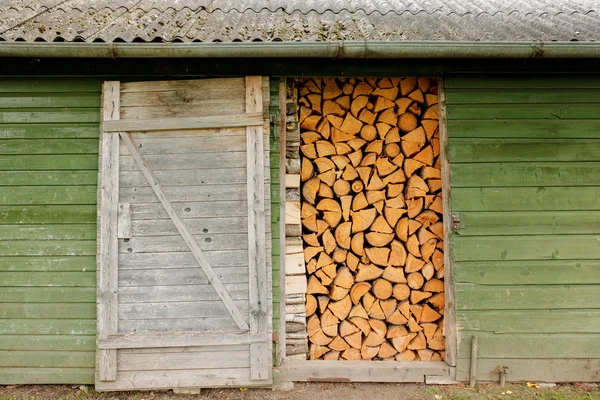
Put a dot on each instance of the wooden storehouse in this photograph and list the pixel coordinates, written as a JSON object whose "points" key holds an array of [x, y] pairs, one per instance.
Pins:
{"points": [[206, 193]]}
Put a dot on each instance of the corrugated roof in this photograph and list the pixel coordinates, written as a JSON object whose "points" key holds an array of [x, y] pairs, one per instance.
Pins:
{"points": [[298, 20]]}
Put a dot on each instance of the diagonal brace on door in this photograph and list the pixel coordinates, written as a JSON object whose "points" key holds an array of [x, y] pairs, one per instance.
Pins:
{"points": [[185, 233]]}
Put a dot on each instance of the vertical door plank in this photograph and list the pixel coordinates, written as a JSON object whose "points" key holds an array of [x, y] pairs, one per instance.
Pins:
{"points": [[124, 221], [107, 237], [257, 268], [189, 240]]}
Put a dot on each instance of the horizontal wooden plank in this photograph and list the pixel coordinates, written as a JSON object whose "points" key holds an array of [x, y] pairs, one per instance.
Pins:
{"points": [[539, 247], [530, 321], [233, 159], [166, 124], [536, 272], [44, 100], [526, 345], [524, 128], [48, 342], [168, 310], [525, 174], [48, 232], [184, 177], [47, 310], [188, 97], [165, 227], [192, 378], [208, 241], [49, 85], [63, 279], [516, 111], [55, 264], [41, 376], [235, 141], [462, 150], [236, 85], [74, 214], [207, 193], [49, 326], [46, 294], [533, 370], [55, 131], [49, 162], [47, 247], [526, 297], [524, 81], [183, 361], [47, 359], [180, 277], [48, 178], [160, 341], [229, 258], [190, 210], [48, 195], [508, 95], [526, 199], [361, 371], [49, 115], [224, 322], [201, 292], [528, 223]]}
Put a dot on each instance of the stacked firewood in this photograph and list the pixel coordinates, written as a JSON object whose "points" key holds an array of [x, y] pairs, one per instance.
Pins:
{"points": [[372, 218]]}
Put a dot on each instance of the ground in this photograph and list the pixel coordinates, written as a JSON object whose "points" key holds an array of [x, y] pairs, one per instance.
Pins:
{"points": [[319, 391]]}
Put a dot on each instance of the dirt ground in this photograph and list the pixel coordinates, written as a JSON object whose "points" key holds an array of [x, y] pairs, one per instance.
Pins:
{"points": [[318, 391]]}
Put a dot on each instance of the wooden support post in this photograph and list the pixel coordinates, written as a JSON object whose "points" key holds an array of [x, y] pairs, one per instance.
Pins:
{"points": [[474, 347]]}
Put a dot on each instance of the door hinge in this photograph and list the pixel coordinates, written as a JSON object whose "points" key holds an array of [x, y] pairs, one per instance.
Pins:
{"points": [[456, 222]]}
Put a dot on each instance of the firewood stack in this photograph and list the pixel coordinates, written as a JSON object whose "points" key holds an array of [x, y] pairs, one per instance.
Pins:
{"points": [[372, 218]]}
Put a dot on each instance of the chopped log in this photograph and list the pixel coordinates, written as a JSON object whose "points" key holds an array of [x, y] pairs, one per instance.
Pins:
{"points": [[401, 343], [392, 150], [394, 275], [341, 308], [429, 314], [358, 290], [317, 351], [341, 187], [396, 318], [412, 245], [344, 278], [310, 252], [351, 125], [331, 355], [438, 342], [434, 285], [437, 301], [306, 170], [368, 353], [324, 164], [325, 191], [382, 289], [368, 272], [407, 122], [396, 330], [357, 243], [379, 239], [376, 311], [378, 255], [323, 302], [315, 287], [355, 158], [346, 203], [338, 344], [357, 187], [347, 328], [338, 293], [352, 261], [329, 242], [319, 338], [401, 291], [374, 338], [417, 296], [386, 350], [311, 305], [389, 93], [359, 202], [368, 133], [392, 215], [342, 235], [407, 355], [428, 271], [354, 339], [407, 85], [339, 255], [415, 280], [310, 189], [384, 166], [415, 206], [363, 219], [311, 239]]}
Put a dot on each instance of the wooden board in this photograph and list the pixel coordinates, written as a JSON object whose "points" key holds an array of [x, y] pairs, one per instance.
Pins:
{"points": [[195, 254]]}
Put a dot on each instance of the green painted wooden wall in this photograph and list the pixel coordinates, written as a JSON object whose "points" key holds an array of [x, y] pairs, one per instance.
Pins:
{"points": [[525, 176], [48, 179]]}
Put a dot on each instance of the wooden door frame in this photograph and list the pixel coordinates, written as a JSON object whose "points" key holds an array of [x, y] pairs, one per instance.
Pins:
{"points": [[398, 371]]}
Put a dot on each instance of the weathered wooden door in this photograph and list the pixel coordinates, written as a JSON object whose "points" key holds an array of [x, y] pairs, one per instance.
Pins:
{"points": [[184, 245]]}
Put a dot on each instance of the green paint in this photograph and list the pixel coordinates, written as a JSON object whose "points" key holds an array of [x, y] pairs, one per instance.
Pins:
{"points": [[48, 248], [534, 272], [46, 294], [75, 214], [525, 199], [49, 232], [519, 111], [535, 247], [40, 376], [526, 297], [525, 174], [47, 178], [548, 346], [525, 161], [531, 321], [48, 146], [528, 223], [28, 100], [48, 343], [43, 310], [467, 150], [49, 326], [43, 131], [49, 115], [512, 96], [524, 128], [49, 162], [48, 195], [45, 359], [63, 279]]}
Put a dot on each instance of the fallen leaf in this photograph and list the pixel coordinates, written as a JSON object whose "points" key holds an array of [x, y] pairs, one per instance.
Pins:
{"points": [[243, 389]]}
